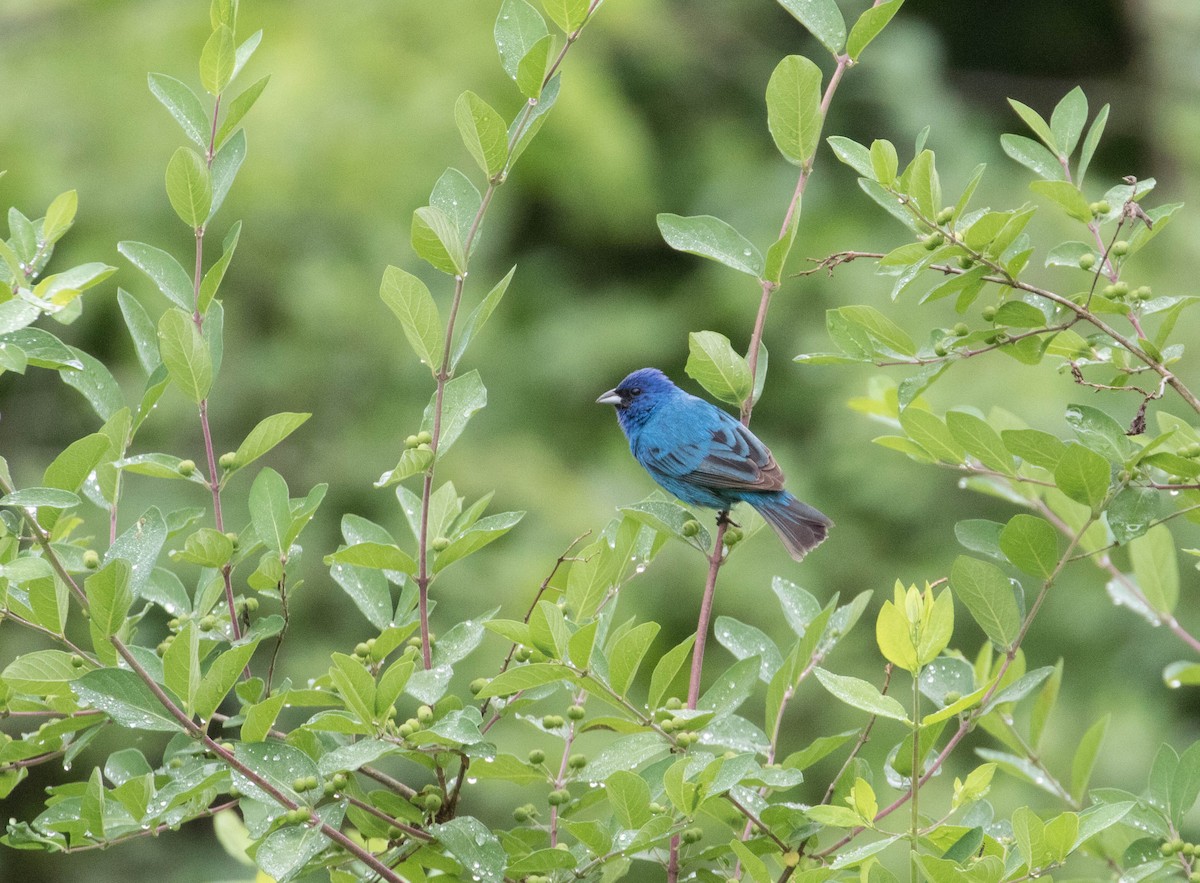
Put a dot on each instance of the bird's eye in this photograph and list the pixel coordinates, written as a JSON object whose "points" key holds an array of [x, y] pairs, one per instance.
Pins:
{"points": [[636, 391]]}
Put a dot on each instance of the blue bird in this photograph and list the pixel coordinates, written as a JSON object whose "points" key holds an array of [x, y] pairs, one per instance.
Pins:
{"points": [[705, 457]]}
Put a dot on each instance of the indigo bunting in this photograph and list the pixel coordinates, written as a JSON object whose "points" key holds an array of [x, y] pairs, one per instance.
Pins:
{"points": [[705, 457]]}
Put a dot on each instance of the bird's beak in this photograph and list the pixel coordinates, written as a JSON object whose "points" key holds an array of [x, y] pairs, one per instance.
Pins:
{"points": [[612, 397]]}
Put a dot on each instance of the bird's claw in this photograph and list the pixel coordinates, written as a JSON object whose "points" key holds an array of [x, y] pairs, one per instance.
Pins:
{"points": [[723, 519]]}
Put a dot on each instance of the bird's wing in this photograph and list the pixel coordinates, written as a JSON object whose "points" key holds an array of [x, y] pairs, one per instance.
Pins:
{"points": [[710, 449]]}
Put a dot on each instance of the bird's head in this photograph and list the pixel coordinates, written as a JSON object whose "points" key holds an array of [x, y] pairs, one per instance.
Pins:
{"points": [[639, 393]]}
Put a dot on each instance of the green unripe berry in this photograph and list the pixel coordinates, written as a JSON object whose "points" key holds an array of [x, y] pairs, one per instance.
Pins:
{"points": [[424, 437], [91, 559], [228, 460], [966, 262], [413, 724], [1120, 289], [1109, 291], [433, 802], [404, 731], [576, 712], [298, 816], [424, 446], [186, 467], [77, 661], [989, 313], [939, 348], [232, 537], [176, 763], [251, 605], [577, 761], [361, 649], [477, 685], [161, 649], [520, 814], [1087, 261], [1100, 208], [300, 784], [537, 756], [691, 835], [668, 726], [1142, 292], [439, 544], [411, 441], [674, 703], [1194, 877], [558, 797], [522, 654], [690, 528], [1188, 849], [329, 790], [961, 329], [945, 215], [656, 808], [425, 714], [1167, 847], [552, 721], [340, 780], [933, 241], [1120, 248], [173, 624], [733, 536], [208, 623]]}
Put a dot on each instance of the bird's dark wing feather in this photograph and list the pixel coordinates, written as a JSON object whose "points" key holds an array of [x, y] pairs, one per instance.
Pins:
{"points": [[715, 452]]}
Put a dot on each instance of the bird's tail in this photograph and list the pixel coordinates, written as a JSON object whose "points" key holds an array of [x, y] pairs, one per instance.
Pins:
{"points": [[801, 527]]}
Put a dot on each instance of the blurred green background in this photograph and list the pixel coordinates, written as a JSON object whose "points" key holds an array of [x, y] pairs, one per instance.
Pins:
{"points": [[661, 110]]}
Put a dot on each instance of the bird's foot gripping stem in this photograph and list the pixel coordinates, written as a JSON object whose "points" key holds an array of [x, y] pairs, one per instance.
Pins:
{"points": [[723, 519]]}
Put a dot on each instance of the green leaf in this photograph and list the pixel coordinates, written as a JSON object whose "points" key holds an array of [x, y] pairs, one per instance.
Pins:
{"points": [[1034, 446], [70, 469], [189, 187], [483, 132], [518, 27], [269, 432], [109, 596], [666, 669], [207, 547], [1018, 314], [186, 354], [1085, 756], [1156, 567], [630, 798], [852, 154], [409, 298], [455, 195], [238, 108], [461, 398], [879, 327], [374, 555], [164, 271], [42, 349], [794, 108], [928, 430], [217, 60], [884, 162], [1033, 156], [920, 181], [988, 596], [269, 510], [715, 365], [140, 545], [860, 694], [225, 166], [1066, 122], [1100, 432], [980, 441], [1083, 475], [474, 846], [1035, 122], [435, 238], [1090, 143], [1068, 197], [569, 15], [60, 216], [478, 318], [869, 25], [220, 678], [711, 238], [531, 72], [183, 104], [525, 677], [1031, 543], [474, 538], [33, 497], [181, 665], [744, 641], [141, 330], [95, 383], [823, 20], [41, 673], [627, 654], [123, 696]]}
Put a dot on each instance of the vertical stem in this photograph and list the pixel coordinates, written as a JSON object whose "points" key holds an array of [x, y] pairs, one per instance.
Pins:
{"points": [[706, 607], [915, 778]]}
